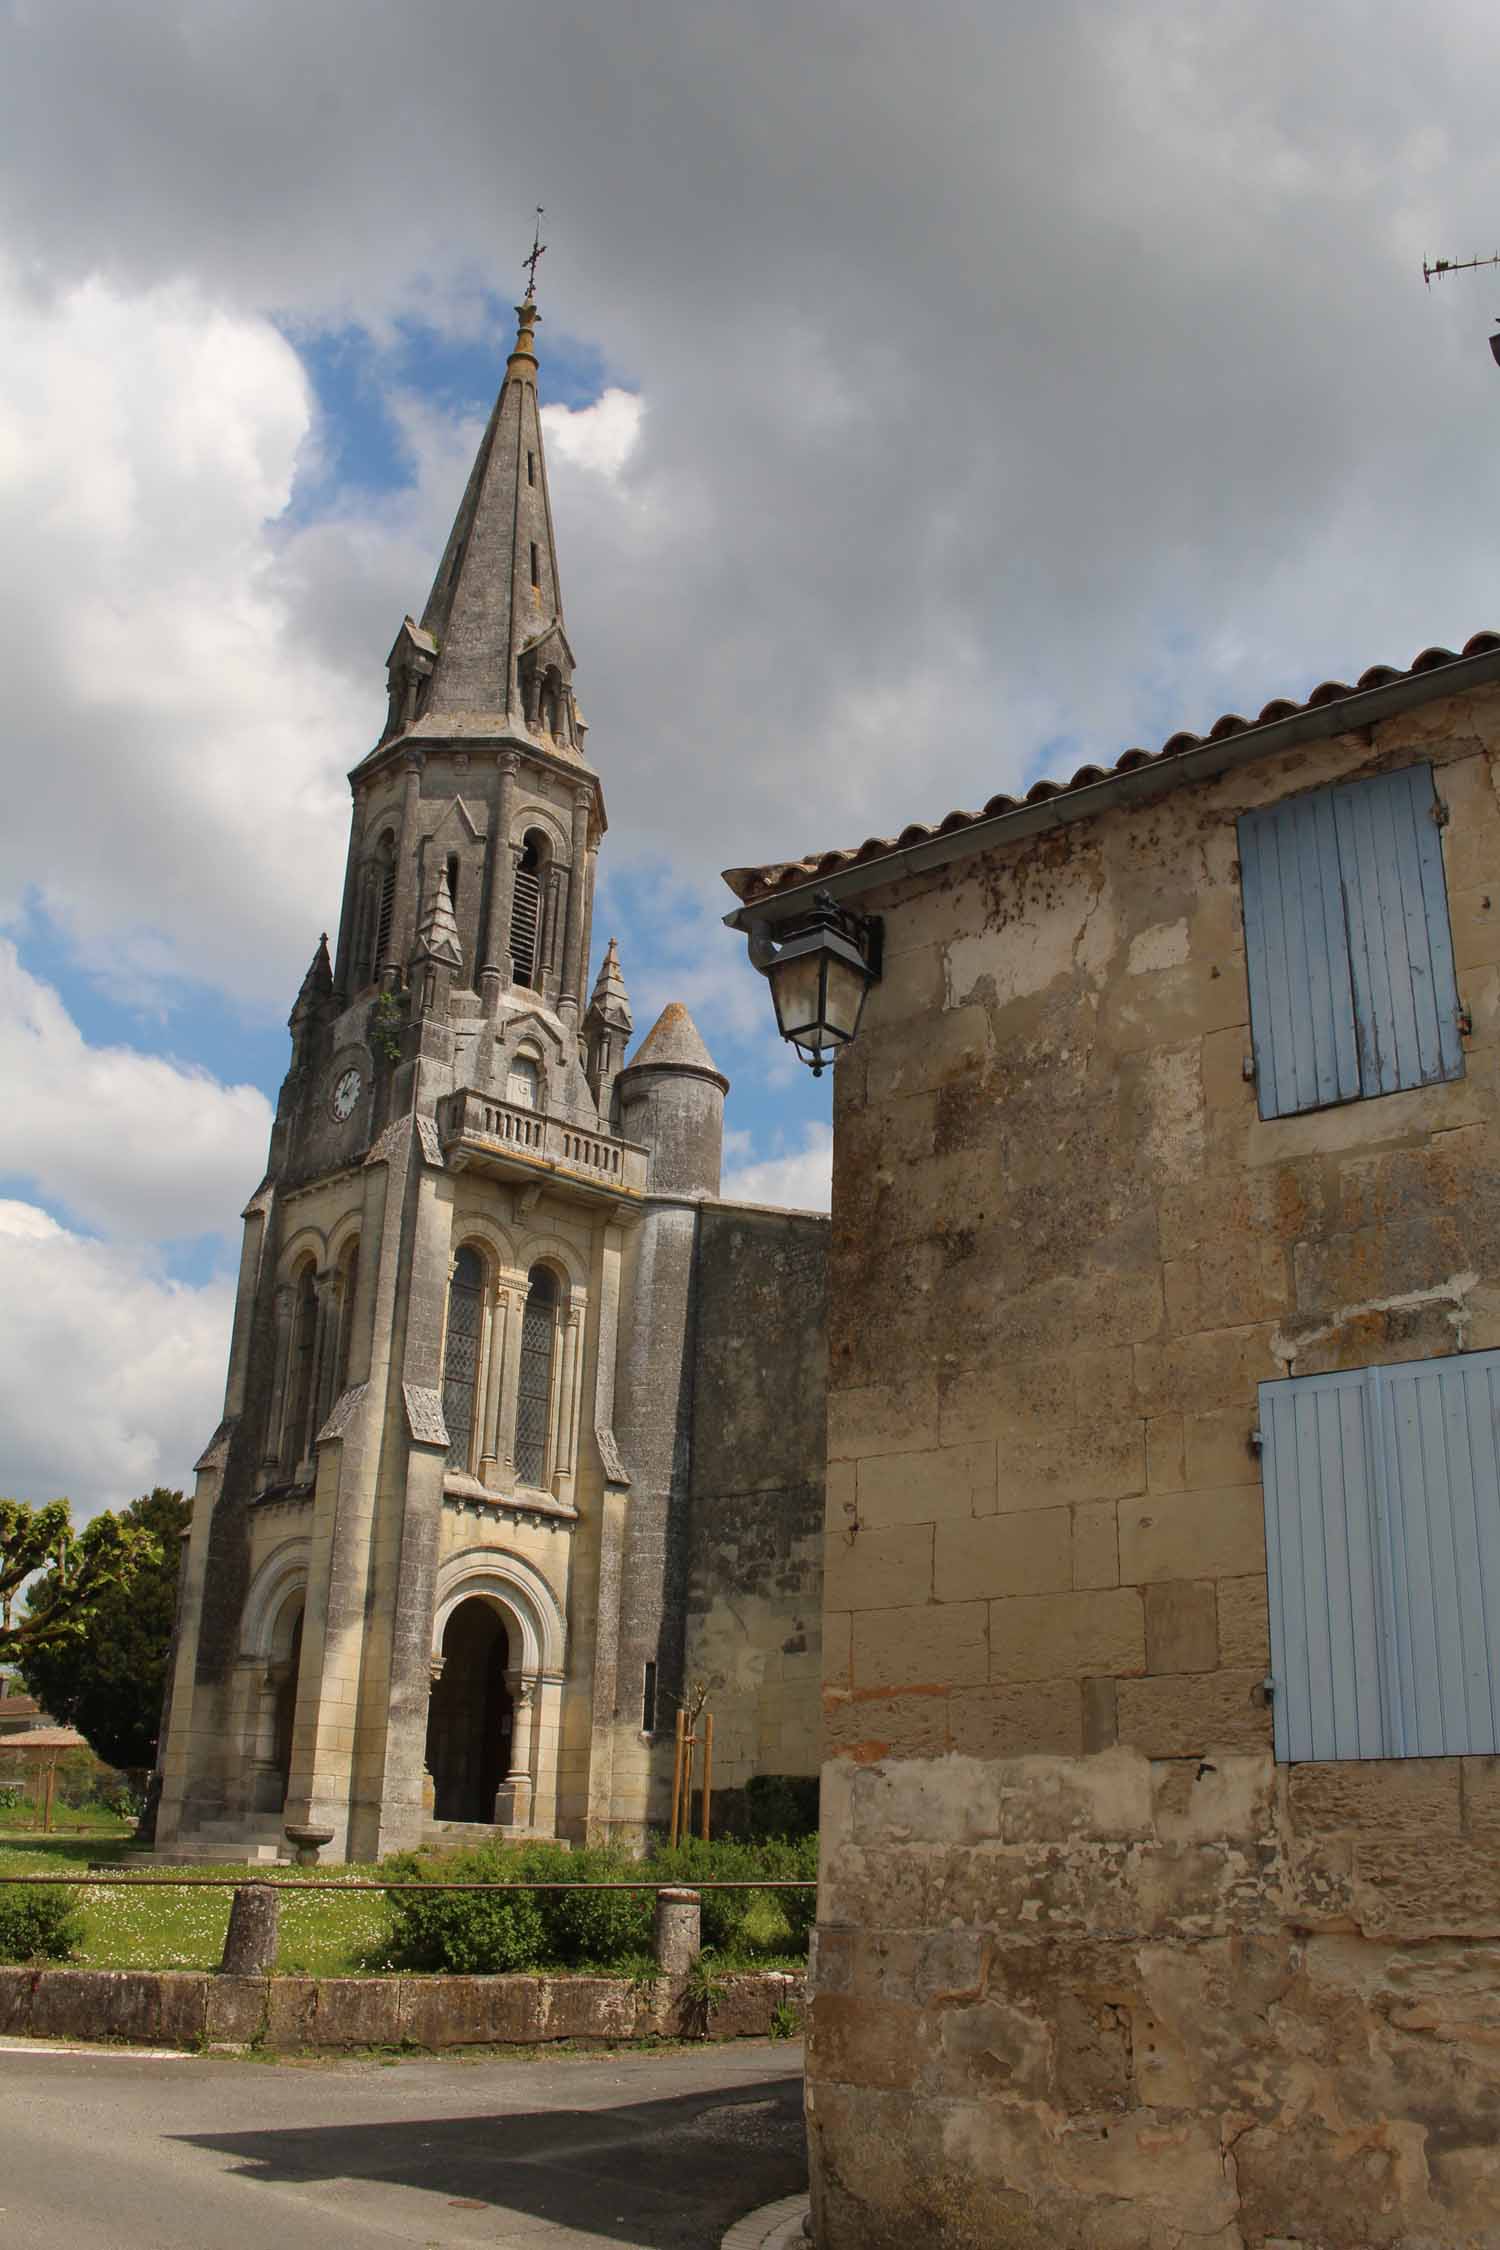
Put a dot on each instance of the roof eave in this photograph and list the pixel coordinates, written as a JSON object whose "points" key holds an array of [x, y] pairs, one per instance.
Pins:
{"points": [[1367, 707]]}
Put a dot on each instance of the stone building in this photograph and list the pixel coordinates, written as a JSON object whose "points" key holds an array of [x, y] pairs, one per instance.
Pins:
{"points": [[498, 1470], [1161, 1817]]}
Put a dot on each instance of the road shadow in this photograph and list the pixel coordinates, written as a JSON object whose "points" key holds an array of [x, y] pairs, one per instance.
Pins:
{"points": [[667, 2175]]}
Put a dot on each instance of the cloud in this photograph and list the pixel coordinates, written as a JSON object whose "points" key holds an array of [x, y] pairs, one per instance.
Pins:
{"points": [[1011, 377], [801, 1180], [174, 751], [111, 1376], [600, 437], [132, 1144]]}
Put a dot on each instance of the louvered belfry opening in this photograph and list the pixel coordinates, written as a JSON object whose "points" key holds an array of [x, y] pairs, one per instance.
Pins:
{"points": [[387, 899], [461, 1355], [526, 914], [534, 1388]]}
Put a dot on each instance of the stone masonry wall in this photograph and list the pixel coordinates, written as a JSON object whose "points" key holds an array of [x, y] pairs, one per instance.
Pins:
{"points": [[1091, 1968], [755, 1530]]}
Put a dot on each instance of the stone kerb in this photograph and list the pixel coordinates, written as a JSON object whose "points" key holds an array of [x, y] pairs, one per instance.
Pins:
{"points": [[191, 2008]]}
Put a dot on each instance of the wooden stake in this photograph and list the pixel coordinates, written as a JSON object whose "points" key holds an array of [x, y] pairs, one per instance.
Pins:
{"points": [[677, 1771], [51, 1786], [708, 1767]]}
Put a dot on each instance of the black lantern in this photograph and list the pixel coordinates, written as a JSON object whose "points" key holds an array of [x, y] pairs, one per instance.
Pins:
{"points": [[819, 970]]}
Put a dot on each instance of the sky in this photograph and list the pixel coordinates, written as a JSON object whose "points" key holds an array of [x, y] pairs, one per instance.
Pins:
{"points": [[935, 398]]}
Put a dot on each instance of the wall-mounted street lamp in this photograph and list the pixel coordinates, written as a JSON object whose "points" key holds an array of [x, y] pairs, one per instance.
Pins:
{"points": [[819, 969]]}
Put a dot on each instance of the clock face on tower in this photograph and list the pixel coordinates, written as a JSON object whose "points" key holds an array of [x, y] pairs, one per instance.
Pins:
{"points": [[345, 1095]]}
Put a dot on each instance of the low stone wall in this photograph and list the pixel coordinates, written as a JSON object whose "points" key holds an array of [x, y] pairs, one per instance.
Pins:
{"points": [[190, 2008]]}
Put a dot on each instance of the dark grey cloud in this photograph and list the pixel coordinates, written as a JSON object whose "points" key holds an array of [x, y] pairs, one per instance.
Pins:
{"points": [[1014, 376]]}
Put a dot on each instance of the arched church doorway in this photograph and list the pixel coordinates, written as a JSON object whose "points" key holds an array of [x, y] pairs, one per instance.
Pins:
{"points": [[285, 1673], [470, 1717]]}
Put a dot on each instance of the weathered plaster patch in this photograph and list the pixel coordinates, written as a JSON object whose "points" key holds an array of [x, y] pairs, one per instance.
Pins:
{"points": [[1456, 1292], [1163, 946]]}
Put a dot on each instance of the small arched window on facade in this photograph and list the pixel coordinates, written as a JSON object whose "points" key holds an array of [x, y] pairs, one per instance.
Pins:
{"points": [[461, 1355], [523, 1081], [526, 910], [539, 1325], [296, 1440]]}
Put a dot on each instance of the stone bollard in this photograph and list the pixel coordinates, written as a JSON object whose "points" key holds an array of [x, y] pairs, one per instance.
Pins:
{"points": [[678, 1931], [254, 1924]]}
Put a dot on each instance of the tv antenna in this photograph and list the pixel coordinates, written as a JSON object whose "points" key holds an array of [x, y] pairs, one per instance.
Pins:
{"points": [[1440, 266]]}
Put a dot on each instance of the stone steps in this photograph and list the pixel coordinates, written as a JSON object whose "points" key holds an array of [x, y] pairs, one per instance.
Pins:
{"points": [[451, 1833]]}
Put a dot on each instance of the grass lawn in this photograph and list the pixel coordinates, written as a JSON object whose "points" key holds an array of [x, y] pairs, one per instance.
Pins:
{"points": [[167, 1928]]}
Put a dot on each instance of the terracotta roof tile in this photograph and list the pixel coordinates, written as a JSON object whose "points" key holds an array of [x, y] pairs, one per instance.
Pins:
{"points": [[752, 883]]}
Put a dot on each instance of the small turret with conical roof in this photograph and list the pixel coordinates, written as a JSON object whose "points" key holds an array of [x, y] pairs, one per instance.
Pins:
{"points": [[672, 1098]]}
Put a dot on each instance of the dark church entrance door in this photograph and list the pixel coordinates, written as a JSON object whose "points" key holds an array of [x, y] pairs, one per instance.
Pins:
{"points": [[469, 1718]]}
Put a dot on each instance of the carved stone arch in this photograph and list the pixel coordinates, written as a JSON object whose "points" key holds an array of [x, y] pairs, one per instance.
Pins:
{"points": [[532, 1026], [344, 1231], [266, 1621], [307, 1242], [495, 1244], [533, 813], [555, 1250], [495, 1575]]}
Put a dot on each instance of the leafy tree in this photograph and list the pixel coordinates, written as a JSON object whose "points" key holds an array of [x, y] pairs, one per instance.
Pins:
{"points": [[92, 1643]]}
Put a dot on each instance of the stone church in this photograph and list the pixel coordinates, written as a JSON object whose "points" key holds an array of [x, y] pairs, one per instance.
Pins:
{"points": [[524, 1425]]}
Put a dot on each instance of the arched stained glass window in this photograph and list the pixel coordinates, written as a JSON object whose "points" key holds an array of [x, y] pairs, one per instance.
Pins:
{"points": [[461, 1355], [348, 1285], [534, 1388], [298, 1437]]}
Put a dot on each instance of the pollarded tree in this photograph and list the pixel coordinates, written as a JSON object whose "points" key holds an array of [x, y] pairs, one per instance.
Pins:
{"points": [[92, 1641]]}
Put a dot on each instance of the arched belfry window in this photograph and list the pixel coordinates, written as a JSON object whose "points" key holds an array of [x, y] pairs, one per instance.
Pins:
{"points": [[526, 910], [461, 1355], [377, 906], [539, 1325], [385, 894]]}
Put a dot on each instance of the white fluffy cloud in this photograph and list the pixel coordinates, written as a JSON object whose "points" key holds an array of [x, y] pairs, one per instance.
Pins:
{"points": [[174, 751], [131, 1144], [800, 1180], [111, 1375], [600, 437]]}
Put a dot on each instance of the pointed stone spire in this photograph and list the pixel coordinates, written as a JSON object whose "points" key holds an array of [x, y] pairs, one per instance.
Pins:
{"points": [[611, 1002], [494, 618], [607, 1028], [437, 933], [316, 989]]}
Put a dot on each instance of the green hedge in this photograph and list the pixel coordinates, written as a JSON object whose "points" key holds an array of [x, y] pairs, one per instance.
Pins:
{"points": [[488, 1932], [37, 1925]]}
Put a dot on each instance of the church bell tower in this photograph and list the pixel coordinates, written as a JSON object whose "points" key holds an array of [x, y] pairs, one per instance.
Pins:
{"points": [[400, 1615]]}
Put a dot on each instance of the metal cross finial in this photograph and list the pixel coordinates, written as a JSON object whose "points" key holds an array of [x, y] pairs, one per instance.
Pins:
{"points": [[538, 250]]}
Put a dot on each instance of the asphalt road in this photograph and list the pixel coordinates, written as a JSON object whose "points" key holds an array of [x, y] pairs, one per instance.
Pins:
{"points": [[120, 2151]]}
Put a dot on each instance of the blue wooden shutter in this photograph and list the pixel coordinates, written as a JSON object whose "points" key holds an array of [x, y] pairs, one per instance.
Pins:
{"points": [[1322, 1568], [1297, 948], [1442, 1495], [1350, 958], [1400, 946], [1382, 1492]]}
